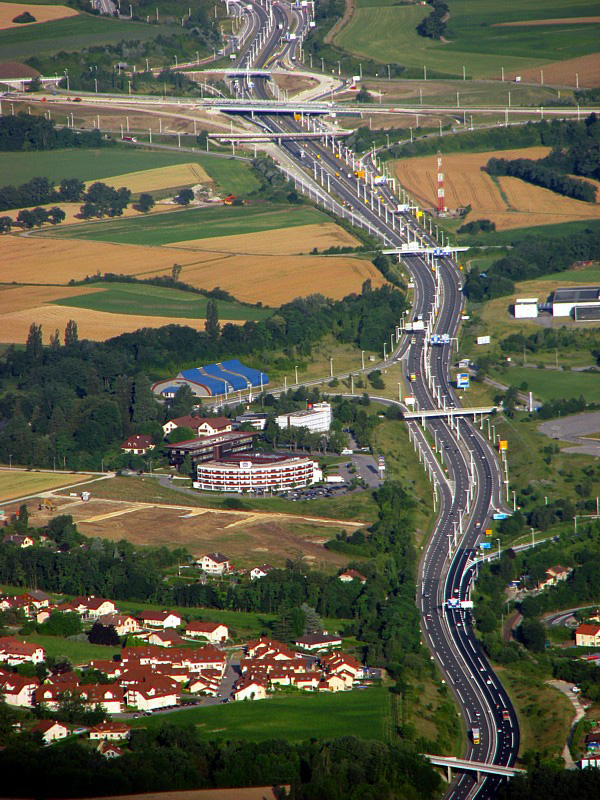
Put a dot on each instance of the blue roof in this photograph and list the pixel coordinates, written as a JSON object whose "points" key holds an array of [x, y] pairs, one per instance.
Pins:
{"points": [[235, 380], [169, 389], [215, 385], [253, 375]]}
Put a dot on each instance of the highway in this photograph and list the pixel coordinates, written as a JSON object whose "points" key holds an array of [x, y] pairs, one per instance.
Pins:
{"points": [[466, 474]]}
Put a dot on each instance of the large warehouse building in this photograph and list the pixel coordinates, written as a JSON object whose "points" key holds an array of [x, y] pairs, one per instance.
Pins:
{"points": [[209, 448], [213, 379], [576, 301], [253, 472]]}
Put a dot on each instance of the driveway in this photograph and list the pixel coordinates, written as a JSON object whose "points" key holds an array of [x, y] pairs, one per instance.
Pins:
{"points": [[565, 688]]}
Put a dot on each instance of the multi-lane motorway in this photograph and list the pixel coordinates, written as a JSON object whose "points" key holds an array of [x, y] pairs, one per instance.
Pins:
{"points": [[466, 472]]}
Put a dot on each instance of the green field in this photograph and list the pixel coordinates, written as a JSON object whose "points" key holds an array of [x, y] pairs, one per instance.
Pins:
{"points": [[130, 298], [386, 33], [17, 483], [551, 384], [515, 235], [294, 717], [72, 33], [77, 652], [231, 175], [179, 226]]}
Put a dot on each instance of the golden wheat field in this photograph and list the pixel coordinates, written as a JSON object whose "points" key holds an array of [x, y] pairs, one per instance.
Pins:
{"points": [[274, 280], [564, 73], [523, 205], [98, 325], [160, 178], [300, 239], [8, 11]]}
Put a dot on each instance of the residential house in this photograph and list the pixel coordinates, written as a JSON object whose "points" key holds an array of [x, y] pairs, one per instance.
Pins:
{"points": [[51, 730], [16, 602], [202, 426], [260, 572], [109, 697], [351, 575], [166, 638], [214, 564], [112, 731], [340, 662], [249, 689], [44, 613], [160, 619], [138, 444], [122, 623], [93, 607], [587, 635], [37, 598], [17, 689], [314, 642], [111, 669], [213, 631], [554, 575], [14, 652], [332, 683], [150, 696], [19, 540], [109, 750]]}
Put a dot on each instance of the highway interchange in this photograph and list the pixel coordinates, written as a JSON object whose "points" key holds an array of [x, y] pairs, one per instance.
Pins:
{"points": [[471, 488]]}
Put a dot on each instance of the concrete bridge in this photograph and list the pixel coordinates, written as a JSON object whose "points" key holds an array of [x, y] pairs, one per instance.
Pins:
{"points": [[479, 767]]}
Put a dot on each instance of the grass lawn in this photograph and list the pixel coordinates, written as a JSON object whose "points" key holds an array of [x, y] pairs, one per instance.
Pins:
{"points": [[516, 235], [551, 384], [92, 164], [545, 714], [15, 483], [178, 226], [386, 33], [129, 298], [71, 34], [294, 717], [358, 505], [77, 652]]}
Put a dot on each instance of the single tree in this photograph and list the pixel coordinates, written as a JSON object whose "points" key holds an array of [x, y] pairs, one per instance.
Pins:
{"points": [[71, 335], [185, 197], [146, 202], [34, 348], [56, 215], [176, 271], [211, 326], [6, 224], [55, 340]]}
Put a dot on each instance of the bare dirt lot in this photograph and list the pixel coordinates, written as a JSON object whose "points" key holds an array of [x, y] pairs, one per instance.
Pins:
{"points": [[522, 205], [563, 73], [8, 11], [300, 239], [246, 537]]}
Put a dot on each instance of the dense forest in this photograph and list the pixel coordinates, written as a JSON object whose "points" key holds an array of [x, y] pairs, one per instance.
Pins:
{"points": [[28, 132], [176, 757], [552, 783], [531, 259], [77, 399]]}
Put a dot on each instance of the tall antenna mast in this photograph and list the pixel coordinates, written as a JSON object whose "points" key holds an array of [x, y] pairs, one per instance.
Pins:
{"points": [[441, 204]]}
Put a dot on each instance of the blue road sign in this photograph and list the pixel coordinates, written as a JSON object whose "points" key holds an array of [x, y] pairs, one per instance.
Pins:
{"points": [[462, 380]]}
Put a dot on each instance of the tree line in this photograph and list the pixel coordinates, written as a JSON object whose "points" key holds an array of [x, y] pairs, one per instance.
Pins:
{"points": [[537, 173], [172, 757], [531, 259], [28, 132], [41, 191], [556, 133], [79, 399]]}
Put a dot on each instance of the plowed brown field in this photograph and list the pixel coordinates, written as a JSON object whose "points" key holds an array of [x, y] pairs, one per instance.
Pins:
{"points": [[8, 11], [300, 239], [564, 73], [465, 183]]}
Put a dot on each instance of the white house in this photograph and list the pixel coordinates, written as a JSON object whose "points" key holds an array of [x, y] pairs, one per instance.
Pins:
{"points": [[316, 417], [14, 652], [250, 689], [111, 731], [93, 607], [18, 690], [146, 697], [313, 642], [122, 623], [215, 632], [214, 564], [51, 730], [202, 426], [160, 619], [260, 572]]}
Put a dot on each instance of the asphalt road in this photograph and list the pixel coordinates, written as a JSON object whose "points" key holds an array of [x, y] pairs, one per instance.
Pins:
{"points": [[576, 428], [474, 486]]}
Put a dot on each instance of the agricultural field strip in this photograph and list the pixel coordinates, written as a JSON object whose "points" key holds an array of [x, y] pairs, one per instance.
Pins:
{"points": [[17, 483], [379, 31], [42, 13], [177, 226]]}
